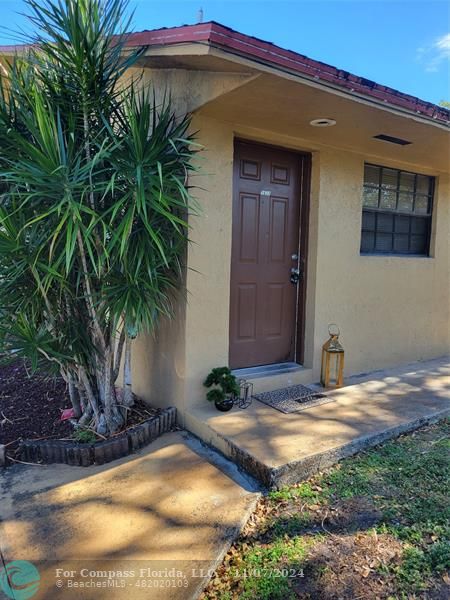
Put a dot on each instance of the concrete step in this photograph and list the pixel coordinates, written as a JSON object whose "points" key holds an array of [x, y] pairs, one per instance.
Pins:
{"points": [[279, 449]]}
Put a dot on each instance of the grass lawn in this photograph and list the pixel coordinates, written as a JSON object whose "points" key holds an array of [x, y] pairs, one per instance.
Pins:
{"points": [[376, 526]]}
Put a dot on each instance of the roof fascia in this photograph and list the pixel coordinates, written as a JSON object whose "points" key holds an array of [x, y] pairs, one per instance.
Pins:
{"points": [[325, 86]]}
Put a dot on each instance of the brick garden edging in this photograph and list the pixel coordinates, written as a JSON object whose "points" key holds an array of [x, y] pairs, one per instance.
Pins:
{"points": [[84, 455]]}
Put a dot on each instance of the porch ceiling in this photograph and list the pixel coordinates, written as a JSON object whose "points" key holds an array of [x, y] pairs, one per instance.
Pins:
{"points": [[284, 106]]}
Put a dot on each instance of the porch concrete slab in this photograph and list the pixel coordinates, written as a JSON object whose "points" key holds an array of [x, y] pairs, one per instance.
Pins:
{"points": [[172, 509], [280, 448]]}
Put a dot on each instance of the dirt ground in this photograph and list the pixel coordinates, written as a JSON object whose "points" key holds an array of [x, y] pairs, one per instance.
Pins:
{"points": [[31, 407], [375, 527]]}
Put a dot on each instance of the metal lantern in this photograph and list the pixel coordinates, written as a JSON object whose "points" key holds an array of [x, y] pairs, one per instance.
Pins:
{"points": [[332, 374]]}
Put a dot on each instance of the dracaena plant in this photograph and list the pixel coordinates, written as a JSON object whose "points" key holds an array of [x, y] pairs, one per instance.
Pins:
{"points": [[94, 202]]}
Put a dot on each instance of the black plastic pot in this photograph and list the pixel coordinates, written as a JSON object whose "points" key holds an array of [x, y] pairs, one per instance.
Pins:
{"points": [[224, 405]]}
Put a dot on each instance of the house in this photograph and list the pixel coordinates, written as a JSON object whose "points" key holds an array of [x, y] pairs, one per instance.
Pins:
{"points": [[325, 199]]}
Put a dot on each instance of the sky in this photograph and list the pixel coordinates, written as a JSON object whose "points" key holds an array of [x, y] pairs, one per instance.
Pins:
{"points": [[404, 44]]}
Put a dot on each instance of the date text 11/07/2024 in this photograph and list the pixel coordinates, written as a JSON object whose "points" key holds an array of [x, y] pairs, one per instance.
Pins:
{"points": [[256, 572]]}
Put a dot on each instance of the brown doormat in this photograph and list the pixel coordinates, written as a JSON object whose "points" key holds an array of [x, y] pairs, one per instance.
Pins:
{"points": [[293, 398]]}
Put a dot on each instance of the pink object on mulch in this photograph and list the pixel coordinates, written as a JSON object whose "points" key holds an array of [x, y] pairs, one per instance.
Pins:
{"points": [[68, 413]]}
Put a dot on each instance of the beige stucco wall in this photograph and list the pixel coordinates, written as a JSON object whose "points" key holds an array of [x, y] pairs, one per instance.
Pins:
{"points": [[391, 310], [158, 363]]}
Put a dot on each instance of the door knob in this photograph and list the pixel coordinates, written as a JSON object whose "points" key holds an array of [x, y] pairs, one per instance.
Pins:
{"points": [[295, 275]]}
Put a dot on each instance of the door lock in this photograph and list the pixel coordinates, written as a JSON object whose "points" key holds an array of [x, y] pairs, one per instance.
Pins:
{"points": [[295, 275]]}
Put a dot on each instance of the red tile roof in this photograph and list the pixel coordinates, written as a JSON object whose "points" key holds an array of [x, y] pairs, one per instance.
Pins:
{"points": [[253, 48], [261, 51], [12, 48]]}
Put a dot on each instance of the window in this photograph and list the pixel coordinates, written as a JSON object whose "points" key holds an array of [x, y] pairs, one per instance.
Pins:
{"points": [[397, 208]]}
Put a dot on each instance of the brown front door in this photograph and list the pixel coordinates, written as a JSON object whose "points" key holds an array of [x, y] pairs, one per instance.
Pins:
{"points": [[264, 310]]}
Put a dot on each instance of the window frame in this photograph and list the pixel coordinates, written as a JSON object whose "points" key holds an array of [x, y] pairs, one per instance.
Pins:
{"points": [[411, 215]]}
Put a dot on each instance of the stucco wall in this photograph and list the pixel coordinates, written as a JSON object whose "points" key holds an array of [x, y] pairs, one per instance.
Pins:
{"points": [[391, 310], [158, 363], [169, 368], [209, 259]]}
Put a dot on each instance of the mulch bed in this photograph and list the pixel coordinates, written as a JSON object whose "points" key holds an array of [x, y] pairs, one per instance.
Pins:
{"points": [[31, 406]]}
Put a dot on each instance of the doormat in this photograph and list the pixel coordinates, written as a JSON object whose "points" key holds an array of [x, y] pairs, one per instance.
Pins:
{"points": [[293, 398]]}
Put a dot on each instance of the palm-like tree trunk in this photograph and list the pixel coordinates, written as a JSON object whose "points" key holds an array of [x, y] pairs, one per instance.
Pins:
{"points": [[127, 375]]}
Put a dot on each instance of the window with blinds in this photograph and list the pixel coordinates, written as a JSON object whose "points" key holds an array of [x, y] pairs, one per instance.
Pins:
{"points": [[397, 209]]}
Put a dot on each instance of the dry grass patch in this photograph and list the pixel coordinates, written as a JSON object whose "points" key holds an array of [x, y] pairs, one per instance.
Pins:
{"points": [[377, 526]]}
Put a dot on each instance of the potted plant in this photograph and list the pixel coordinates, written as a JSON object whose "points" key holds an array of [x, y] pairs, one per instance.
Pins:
{"points": [[224, 388]]}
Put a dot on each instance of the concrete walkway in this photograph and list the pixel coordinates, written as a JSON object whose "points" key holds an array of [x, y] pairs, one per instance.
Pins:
{"points": [[154, 524], [282, 448], [168, 514]]}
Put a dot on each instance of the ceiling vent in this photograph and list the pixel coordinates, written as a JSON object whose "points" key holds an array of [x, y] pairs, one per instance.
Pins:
{"points": [[391, 139]]}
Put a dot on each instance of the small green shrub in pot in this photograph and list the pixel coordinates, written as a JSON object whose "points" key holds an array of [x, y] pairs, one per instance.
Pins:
{"points": [[224, 388]]}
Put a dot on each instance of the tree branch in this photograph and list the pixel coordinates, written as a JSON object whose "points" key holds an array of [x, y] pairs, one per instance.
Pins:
{"points": [[118, 356], [97, 329], [127, 374]]}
